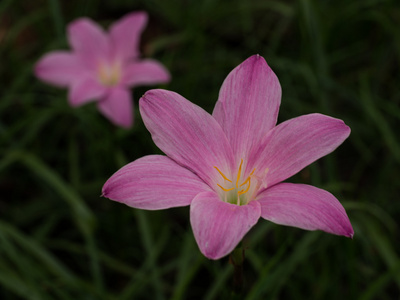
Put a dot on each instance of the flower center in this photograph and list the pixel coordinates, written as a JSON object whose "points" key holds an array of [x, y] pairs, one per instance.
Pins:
{"points": [[109, 74], [235, 193]]}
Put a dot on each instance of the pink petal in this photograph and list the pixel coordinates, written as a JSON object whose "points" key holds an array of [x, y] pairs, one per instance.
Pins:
{"points": [[117, 106], [59, 68], [145, 72], [186, 133], [125, 34], [153, 182], [296, 143], [305, 207], [219, 226], [89, 41], [248, 104], [85, 90]]}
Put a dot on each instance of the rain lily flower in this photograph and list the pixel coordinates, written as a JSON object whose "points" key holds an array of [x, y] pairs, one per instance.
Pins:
{"points": [[229, 166], [102, 66]]}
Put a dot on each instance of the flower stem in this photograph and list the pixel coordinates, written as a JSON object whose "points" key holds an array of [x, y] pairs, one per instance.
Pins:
{"points": [[236, 259]]}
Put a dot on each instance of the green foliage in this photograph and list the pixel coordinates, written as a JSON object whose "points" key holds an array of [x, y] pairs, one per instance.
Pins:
{"points": [[60, 240]]}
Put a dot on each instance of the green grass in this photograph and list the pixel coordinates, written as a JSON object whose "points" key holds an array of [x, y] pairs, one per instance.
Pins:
{"points": [[60, 240]]}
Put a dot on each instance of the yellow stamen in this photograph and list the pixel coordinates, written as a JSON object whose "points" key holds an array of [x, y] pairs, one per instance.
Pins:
{"points": [[238, 175], [245, 191], [224, 189], [222, 174], [247, 181], [248, 178]]}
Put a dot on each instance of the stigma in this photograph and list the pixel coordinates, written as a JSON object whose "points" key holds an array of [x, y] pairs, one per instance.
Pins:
{"points": [[233, 193]]}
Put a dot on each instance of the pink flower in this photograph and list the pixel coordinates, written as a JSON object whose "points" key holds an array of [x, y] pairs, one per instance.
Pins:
{"points": [[103, 66], [229, 166]]}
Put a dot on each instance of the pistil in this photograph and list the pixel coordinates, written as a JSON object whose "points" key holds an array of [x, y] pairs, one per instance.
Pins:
{"points": [[237, 185]]}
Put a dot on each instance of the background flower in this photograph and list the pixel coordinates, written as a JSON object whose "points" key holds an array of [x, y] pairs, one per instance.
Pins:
{"points": [[102, 66]]}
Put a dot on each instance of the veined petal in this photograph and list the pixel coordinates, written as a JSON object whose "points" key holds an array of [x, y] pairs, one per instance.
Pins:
{"points": [[296, 143], [219, 226], [187, 134], [145, 72], [305, 207], [117, 106], [125, 34], [153, 182], [85, 90], [248, 104], [59, 68], [89, 41]]}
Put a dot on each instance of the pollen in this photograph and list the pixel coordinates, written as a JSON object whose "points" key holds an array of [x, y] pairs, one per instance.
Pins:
{"points": [[238, 186], [222, 174], [224, 189]]}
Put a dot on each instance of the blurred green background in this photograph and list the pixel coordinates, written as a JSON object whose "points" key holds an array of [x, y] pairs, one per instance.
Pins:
{"points": [[60, 240]]}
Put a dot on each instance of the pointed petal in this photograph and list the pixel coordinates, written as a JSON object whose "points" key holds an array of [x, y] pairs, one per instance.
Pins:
{"points": [[296, 143], [305, 207], [125, 34], [153, 182], [219, 226], [85, 90], [248, 104], [89, 41], [186, 133], [59, 68], [145, 72], [117, 106]]}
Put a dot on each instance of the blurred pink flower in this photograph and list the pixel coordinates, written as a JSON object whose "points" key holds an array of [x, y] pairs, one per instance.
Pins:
{"points": [[229, 166], [103, 66]]}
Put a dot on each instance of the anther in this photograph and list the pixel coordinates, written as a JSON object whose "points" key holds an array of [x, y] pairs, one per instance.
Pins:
{"points": [[245, 191], [238, 175], [224, 189], [222, 174], [247, 181]]}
